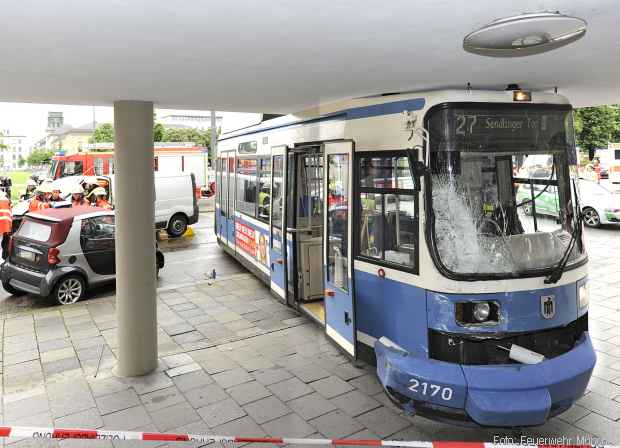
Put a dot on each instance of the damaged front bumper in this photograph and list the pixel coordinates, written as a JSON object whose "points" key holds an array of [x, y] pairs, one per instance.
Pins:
{"points": [[511, 395]]}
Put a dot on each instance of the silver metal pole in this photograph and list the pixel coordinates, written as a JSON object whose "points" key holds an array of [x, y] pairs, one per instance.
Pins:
{"points": [[94, 125], [213, 148]]}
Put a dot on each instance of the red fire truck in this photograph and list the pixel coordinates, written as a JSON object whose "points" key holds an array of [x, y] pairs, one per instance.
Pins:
{"points": [[169, 158], [81, 163]]}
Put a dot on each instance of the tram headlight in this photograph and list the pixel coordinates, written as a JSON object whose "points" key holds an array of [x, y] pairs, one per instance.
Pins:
{"points": [[584, 296], [477, 313], [521, 96], [482, 311]]}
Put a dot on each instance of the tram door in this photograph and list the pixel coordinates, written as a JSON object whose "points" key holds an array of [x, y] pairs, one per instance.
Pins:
{"points": [[337, 244], [222, 223], [304, 230], [228, 172], [219, 218], [277, 245]]}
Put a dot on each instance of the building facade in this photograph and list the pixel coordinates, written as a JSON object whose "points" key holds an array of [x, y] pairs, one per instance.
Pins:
{"points": [[14, 150], [188, 120], [70, 139]]}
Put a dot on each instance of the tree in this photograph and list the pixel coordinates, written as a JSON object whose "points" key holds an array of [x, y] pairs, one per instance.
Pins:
{"points": [[159, 132], [200, 137], [595, 127], [103, 134], [615, 136], [175, 135], [40, 157], [21, 161]]}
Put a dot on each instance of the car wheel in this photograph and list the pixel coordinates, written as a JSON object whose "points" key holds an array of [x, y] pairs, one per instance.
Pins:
{"points": [[177, 225], [591, 217], [11, 290], [69, 290], [527, 209], [159, 263]]}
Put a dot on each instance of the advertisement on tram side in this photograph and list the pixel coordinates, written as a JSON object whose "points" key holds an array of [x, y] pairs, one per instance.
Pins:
{"points": [[252, 242]]}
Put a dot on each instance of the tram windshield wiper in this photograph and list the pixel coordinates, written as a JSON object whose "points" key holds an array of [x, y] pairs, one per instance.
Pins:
{"points": [[557, 272]]}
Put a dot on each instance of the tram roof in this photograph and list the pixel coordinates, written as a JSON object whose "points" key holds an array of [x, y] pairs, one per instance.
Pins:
{"points": [[378, 105], [244, 56]]}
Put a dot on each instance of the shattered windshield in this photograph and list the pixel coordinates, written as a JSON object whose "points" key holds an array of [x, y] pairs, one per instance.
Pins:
{"points": [[501, 189]]}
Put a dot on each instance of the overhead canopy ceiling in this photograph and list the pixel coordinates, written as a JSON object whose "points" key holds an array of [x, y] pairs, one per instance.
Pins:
{"points": [[282, 55]]}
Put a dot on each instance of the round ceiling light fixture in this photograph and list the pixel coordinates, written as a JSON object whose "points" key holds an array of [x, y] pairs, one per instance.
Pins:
{"points": [[525, 35]]}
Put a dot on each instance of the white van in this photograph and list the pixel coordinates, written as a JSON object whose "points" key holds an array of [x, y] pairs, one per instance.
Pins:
{"points": [[176, 203]]}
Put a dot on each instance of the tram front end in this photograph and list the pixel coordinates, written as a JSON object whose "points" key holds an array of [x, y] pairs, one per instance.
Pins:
{"points": [[505, 289]]}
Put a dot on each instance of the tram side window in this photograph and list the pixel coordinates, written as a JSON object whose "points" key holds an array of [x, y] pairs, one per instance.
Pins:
{"points": [[337, 219], [389, 222], [246, 186], [224, 195], [264, 189], [276, 218]]}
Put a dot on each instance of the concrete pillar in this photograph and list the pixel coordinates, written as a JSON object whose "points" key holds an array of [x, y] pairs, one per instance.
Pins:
{"points": [[136, 299]]}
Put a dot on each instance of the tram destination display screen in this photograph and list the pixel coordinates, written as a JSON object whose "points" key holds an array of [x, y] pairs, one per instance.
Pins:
{"points": [[505, 128]]}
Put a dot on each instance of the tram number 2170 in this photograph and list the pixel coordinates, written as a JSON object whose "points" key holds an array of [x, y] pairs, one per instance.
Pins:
{"points": [[429, 389]]}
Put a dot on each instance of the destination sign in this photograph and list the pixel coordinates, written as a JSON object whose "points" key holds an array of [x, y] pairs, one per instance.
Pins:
{"points": [[468, 123], [497, 130]]}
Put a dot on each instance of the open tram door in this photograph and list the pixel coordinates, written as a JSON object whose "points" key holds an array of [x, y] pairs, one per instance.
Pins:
{"points": [[278, 239], [337, 245], [225, 226]]}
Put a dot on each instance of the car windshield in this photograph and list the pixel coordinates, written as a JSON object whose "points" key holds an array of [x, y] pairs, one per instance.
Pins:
{"points": [[501, 189]]}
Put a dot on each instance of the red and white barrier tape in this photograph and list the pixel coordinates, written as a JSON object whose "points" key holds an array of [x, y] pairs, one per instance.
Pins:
{"points": [[226, 441]]}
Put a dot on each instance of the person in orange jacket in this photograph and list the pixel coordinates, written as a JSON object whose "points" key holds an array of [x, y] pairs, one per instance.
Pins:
{"points": [[41, 198], [101, 198], [6, 222]]}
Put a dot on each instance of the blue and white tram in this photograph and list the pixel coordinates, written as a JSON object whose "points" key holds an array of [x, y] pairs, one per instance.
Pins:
{"points": [[437, 234]]}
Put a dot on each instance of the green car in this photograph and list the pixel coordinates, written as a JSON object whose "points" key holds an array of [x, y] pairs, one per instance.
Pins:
{"points": [[546, 199]]}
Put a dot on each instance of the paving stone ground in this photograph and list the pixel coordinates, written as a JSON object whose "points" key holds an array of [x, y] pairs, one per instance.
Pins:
{"points": [[235, 361]]}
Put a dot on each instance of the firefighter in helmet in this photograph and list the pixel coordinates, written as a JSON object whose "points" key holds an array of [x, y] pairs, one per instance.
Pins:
{"points": [[77, 196], [42, 195], [31, 185], [100, 198]]}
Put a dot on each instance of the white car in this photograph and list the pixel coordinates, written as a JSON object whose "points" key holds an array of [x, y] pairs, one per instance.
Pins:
{"points": [[599, 204], [61, 252]]}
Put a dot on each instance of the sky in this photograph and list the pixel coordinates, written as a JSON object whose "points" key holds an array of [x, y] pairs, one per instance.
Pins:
{"points": [[31, 119]]}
